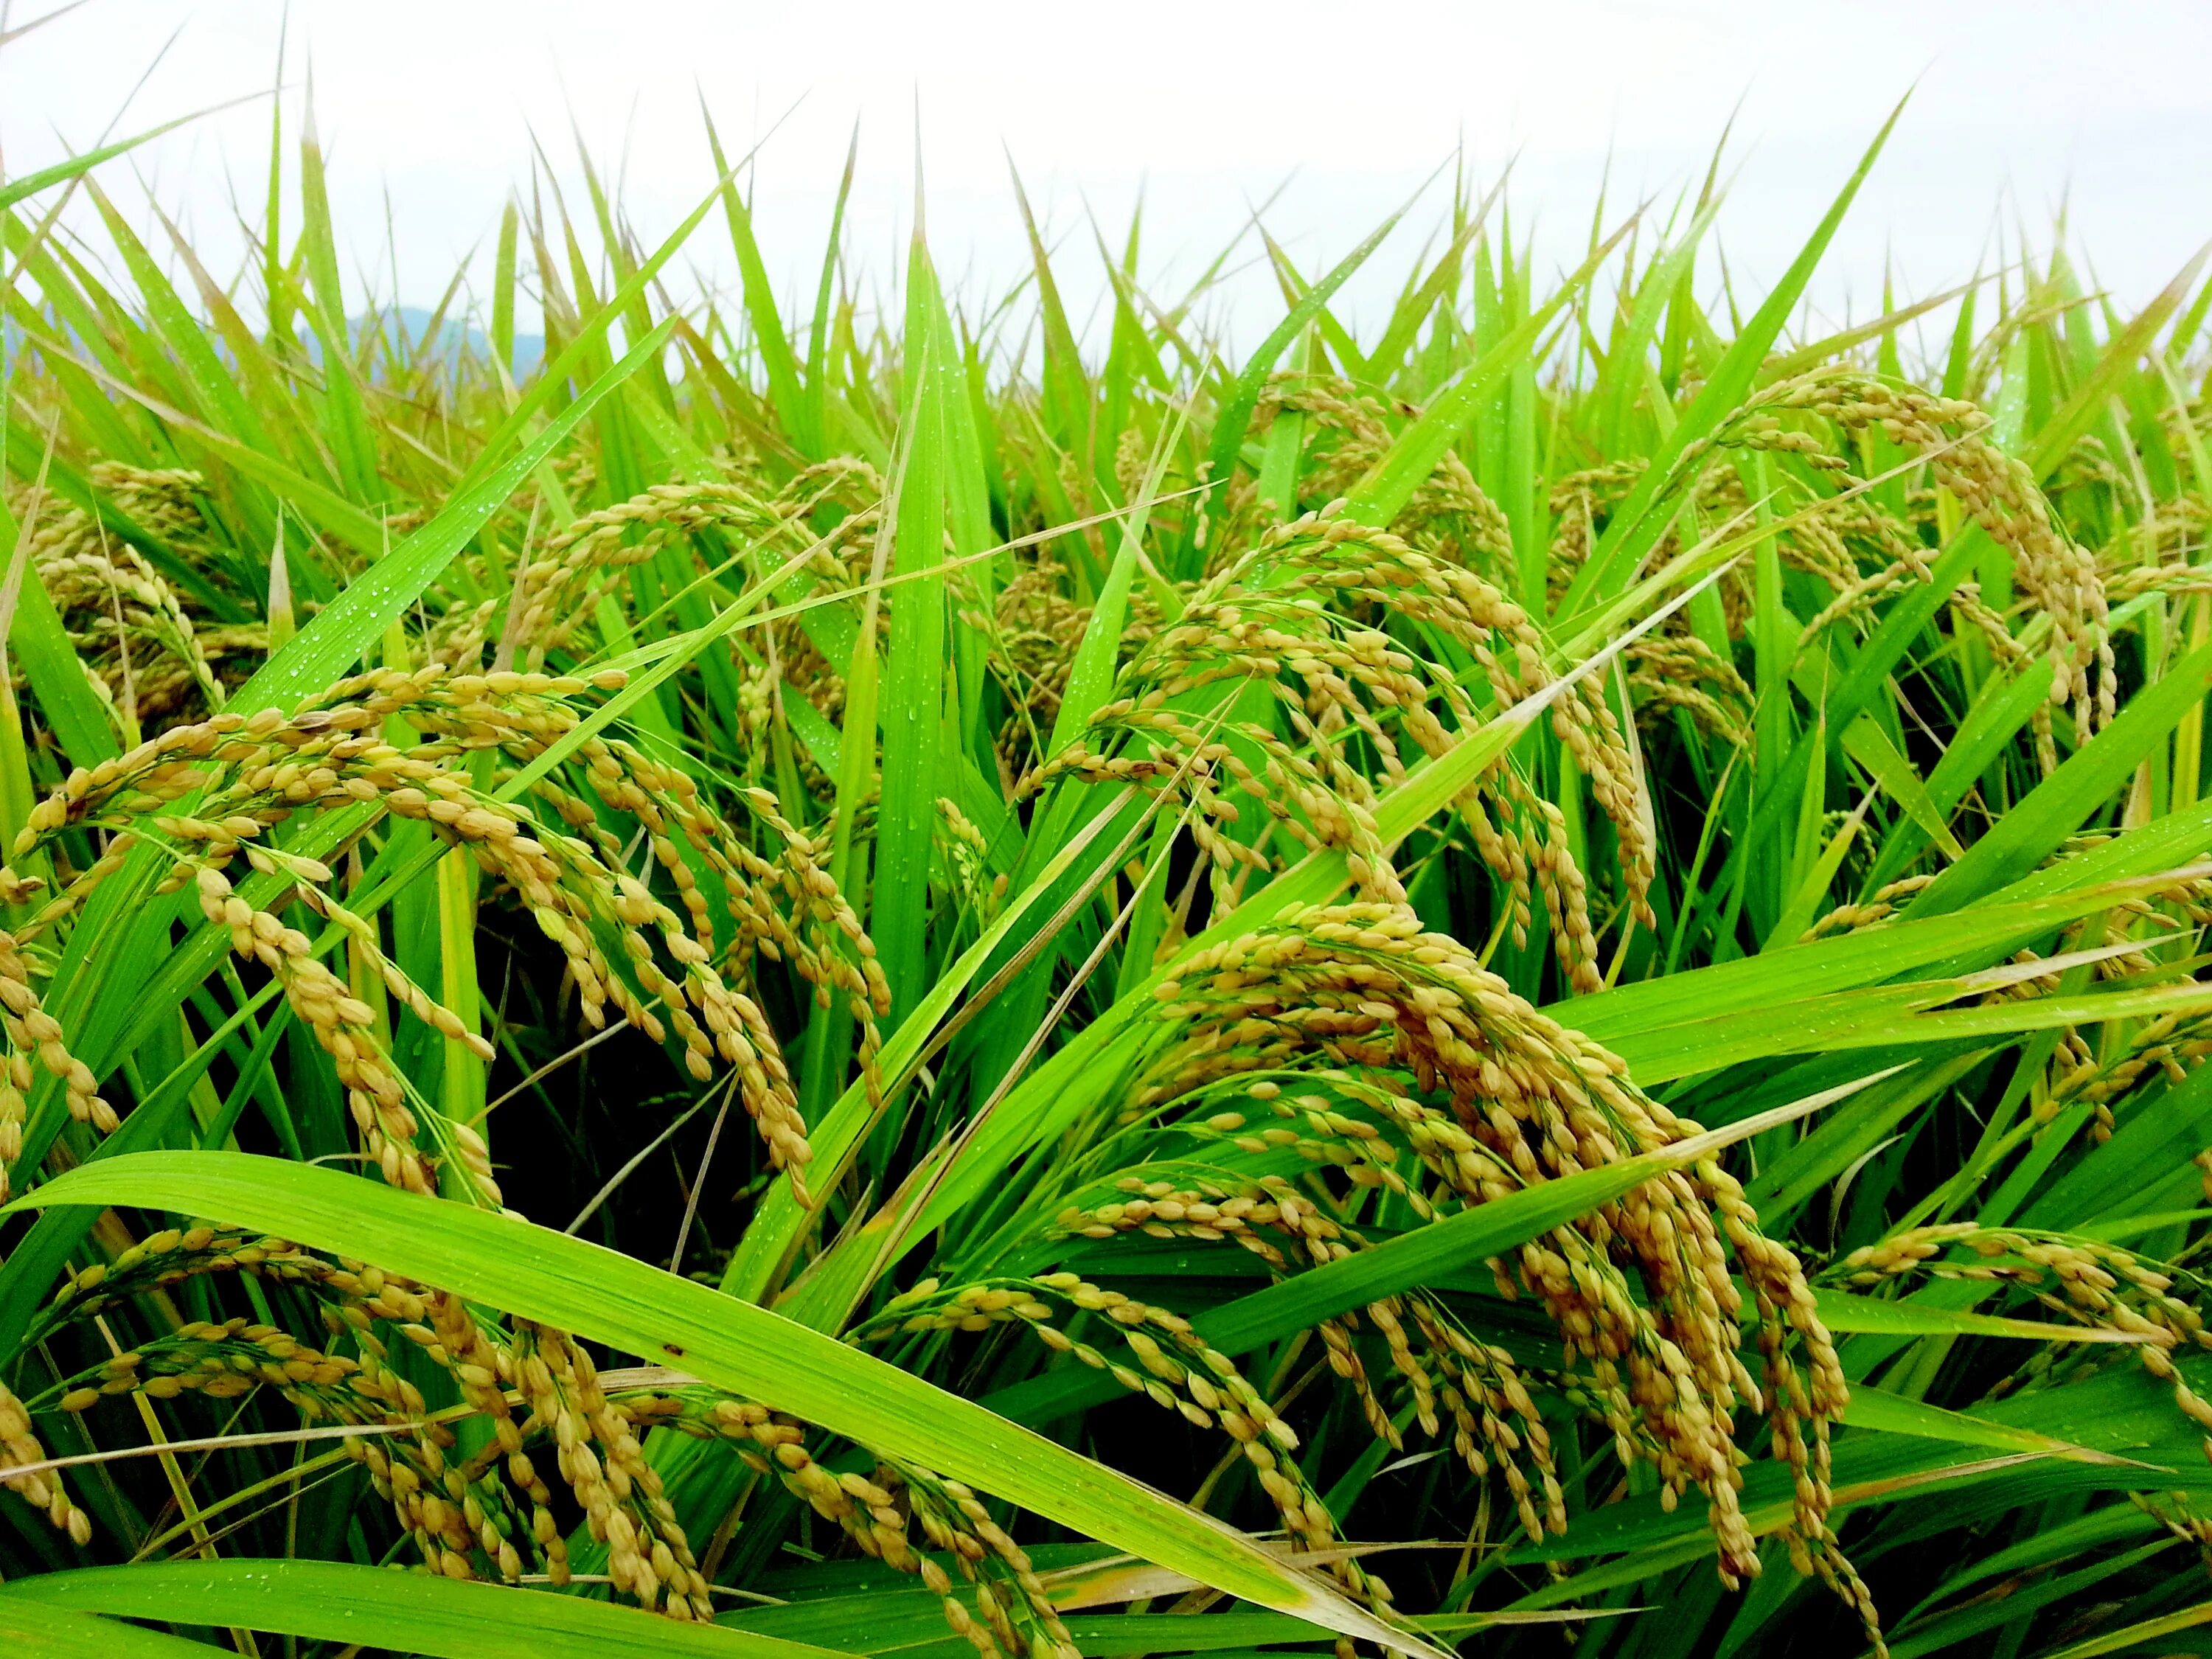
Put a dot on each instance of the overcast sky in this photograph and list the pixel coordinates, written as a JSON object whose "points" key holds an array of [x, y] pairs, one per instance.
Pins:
{"points": [[1208, 109]]}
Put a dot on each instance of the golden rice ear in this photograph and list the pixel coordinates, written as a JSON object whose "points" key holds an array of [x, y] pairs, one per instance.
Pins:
{"points": [[248, 778], [1275, 616], [1311, 1083], [1350, 1028], [20, 1448], [1175, 1367], [1997, 490]]}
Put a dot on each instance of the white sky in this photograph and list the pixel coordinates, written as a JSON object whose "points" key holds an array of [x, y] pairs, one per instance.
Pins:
{"points": [[1207, 106]]}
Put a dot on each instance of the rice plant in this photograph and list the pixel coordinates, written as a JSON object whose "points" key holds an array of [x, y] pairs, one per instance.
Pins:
{"points": [[854, 981]]}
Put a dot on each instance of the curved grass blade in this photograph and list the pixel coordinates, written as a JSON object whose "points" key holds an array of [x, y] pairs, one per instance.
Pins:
{"points": [[530, 1271], [415, 1613], [327, 646], [29, 1629], [1236, 417], [1635, 527], [62, 172]]}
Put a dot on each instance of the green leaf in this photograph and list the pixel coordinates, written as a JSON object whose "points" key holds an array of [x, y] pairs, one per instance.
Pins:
{"points": [[345, 409], [34, 1632], [552, 380], [36, 640], [1885, 1017], [61, 172], [1869, 745], [504, 1262], [768, 337], [418, 1613], [1841, 1310], [2062, 803], [2140, 1634], [2072, 420], [1090, 675], [328, 647], [1714, 995], [1884, 1412], [1634, 527], [776, 1229], [914, 668], [1235, 419], [1382, 494]]}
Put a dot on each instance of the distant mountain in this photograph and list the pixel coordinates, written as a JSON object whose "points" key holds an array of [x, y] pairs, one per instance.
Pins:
{"points": [[455, 338]]}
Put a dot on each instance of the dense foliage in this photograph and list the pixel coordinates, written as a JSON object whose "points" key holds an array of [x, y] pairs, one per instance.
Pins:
{"points": [[1552, 956]]}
